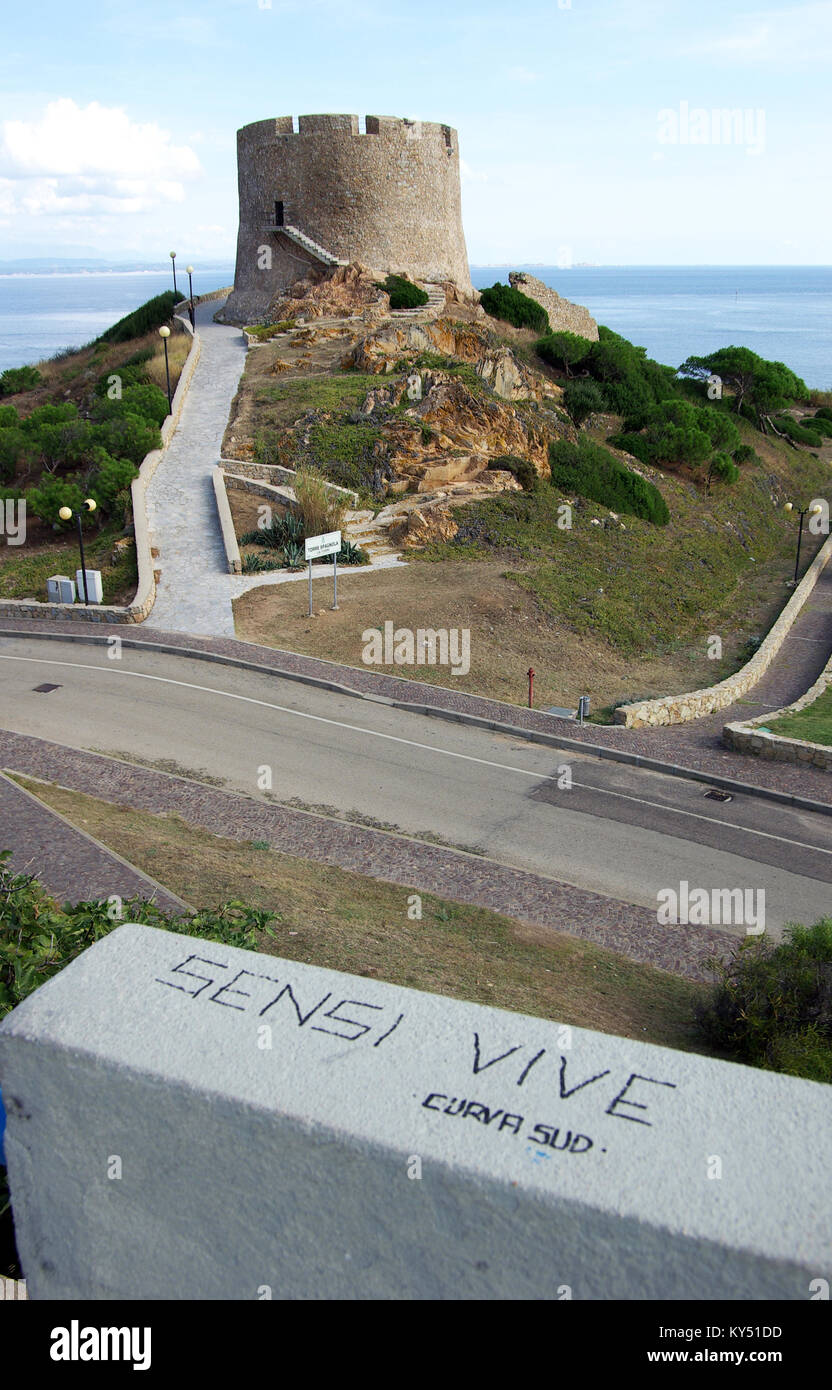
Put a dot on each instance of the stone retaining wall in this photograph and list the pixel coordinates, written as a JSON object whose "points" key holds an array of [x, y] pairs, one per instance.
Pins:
{"points": [[678, 709], [749, 737], [145, 597]]}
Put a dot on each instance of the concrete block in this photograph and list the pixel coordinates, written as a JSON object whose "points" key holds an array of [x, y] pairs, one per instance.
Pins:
{"points": [[188, 1120]]}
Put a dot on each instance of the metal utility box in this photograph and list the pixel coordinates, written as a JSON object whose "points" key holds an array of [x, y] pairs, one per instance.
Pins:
{"points": [[95, 589], [60, 589]]}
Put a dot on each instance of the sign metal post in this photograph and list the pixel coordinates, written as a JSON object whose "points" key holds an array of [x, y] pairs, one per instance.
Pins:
{"points": [[317, 548]]}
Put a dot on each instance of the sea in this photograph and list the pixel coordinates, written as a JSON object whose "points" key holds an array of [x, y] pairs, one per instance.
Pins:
{"points": [[784, 313]]}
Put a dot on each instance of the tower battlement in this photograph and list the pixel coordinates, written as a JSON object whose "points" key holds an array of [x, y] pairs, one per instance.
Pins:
{"points": [[383, 192]]}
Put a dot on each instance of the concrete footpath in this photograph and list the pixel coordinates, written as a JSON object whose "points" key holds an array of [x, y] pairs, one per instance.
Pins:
{"points": [[194, 593]]}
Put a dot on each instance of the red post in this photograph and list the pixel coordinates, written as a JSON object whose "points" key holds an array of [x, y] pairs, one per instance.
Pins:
{"points": [[531, 687]]}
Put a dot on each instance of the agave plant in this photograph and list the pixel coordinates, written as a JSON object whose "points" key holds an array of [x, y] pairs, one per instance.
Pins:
{"points": [[293, 555], [352, 554]]}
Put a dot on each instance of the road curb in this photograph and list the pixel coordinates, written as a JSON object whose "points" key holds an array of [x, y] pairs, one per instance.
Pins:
{"points": [[553, 740]]}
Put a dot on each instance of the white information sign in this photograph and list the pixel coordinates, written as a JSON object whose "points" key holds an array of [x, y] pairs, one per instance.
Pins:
{"points": [[318, 546]]}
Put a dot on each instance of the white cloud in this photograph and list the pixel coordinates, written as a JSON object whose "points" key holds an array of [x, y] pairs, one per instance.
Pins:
{"points": [[90, 159], [796, 36]]}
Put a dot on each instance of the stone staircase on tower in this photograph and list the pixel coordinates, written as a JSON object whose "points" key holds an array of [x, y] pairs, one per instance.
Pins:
{"points": [[312, 247]]}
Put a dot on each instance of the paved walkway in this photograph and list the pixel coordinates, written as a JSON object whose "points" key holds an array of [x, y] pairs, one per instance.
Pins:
{"points": [[632, 931], [194, 593], [69, 863]]}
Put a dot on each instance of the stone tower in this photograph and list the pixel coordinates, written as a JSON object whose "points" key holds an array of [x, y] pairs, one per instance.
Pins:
{"points": [[327, 193]]}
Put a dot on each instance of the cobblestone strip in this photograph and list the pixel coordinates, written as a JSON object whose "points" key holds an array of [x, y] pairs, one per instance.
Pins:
{"points": [[71, 864], [632, 931]]}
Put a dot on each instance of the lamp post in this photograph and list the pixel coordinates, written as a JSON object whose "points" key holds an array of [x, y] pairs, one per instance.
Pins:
{"points": [[173, 263], [190, 271], [66, 514], [164, 334], [802, 512]]}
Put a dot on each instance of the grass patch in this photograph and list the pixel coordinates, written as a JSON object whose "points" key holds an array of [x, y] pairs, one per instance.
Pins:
{"points": [[24, 571], [814, 723], [343, 921]]}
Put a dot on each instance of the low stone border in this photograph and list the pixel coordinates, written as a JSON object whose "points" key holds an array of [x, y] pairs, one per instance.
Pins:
{"points": [[275, 473], [229, 535], [678, 709], [749, 737], [145, 597]]}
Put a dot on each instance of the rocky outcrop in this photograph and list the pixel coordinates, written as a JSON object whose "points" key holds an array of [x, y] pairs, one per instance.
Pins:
{"points": [[342, 293], [564, 316], [417, 527], [393, 346]]}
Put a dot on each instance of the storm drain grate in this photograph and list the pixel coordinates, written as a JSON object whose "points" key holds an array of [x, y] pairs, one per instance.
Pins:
{"points": [[45, 688], [716, 795]]}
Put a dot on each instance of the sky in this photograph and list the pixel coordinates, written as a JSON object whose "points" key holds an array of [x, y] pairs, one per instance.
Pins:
{"points": [[590, 130]]}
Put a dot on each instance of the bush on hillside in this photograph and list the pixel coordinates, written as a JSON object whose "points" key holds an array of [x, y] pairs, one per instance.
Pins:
{"points": [[45, 500], [594, 472], [772, 1004], [678, 432], [818, 424], [15, 451], [143, 320], [8, 416], [128, 436], [582, 399], [119, 378], [16, 379], [403, 293], [522, 469], [110, 486], [759, 387], [146, 401], [563, 351], [744, 454], [506, 303], [825, 413], [799, 434], [722, 466], [38, 938]]}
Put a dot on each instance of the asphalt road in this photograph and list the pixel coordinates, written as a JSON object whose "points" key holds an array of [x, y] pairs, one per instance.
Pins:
{"points": [[620, 831]]}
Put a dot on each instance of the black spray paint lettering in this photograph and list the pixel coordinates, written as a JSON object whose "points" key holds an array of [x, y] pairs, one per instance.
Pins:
{"points": [[617, 1107], [548, 1135], [474, 1110]]}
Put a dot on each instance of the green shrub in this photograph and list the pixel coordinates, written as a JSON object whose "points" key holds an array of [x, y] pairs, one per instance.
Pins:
{"points": [[125, 375], [253, 564], [799, 434], [148, 316], [8, 416], [110, 485], [722, 466], [818, 424], [46, 500], [744, 453], [504, 302], [403, 293], [38, 938], [772, 1004], [146, 401], [15, 449], [594, 472], [825, 413], [582, 399], [352, 554], [128, 436], [16, 379], [522, 469], [563, 350], [49, 415]]}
